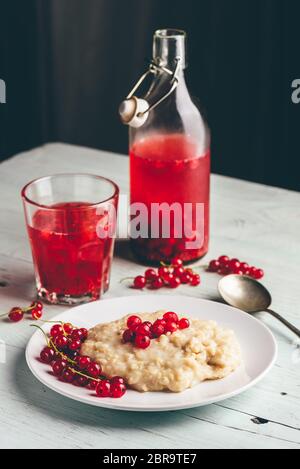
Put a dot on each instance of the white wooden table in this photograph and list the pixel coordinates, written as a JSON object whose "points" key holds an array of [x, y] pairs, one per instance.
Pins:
{"points": [[256, 223]]}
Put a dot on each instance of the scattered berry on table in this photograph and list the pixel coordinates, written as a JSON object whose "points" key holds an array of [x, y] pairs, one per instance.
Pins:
{"points": [[171, 276], [17, 313], [224, 266], [139, 282]]}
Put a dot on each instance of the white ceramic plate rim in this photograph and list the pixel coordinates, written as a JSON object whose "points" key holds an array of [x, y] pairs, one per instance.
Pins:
{"points": [[118, 404]]}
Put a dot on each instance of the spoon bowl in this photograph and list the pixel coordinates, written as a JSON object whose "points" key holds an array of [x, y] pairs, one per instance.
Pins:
{"points": [[251, 296], [245, 293]]}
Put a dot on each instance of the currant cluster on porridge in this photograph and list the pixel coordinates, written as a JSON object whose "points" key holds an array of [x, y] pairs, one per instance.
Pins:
{"points": [[140, 333], [179, 353]]}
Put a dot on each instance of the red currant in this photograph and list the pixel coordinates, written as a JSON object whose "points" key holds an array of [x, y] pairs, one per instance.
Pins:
{"points": [[67, 328], [81, 381], [163, 271], [170, 316], [16, 314], [58, 366], [74, 345], [47, 355], [176, 261], [214, 265], [195, 280], [68, 375], [174, 282], [252, 271], [117, 380], [157, 329], [103, 388], [133, 322], [259, 274], [117, 390], [171, 326], [236, 269], [56, 330], [183, 323], [185, 277], [92, 384], [82, 361], [84, 333], [94, 370], [37, 305], [223, 260], [161, 322], [77, 334], [234, 265], [234, 259], [139, 282], [150, 274], [142, 341], [147, 323], [223, 270], [157, 283], [61, 342], [178, 271], [36, 314], [143, 329], [128, 336], [168, 277], [244, 267], [256, 273]]}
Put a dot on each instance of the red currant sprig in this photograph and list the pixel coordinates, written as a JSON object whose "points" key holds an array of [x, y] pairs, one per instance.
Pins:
{"points": [[224, 266], [140, 333], [170, 276], [62, 354], [17, 313]]}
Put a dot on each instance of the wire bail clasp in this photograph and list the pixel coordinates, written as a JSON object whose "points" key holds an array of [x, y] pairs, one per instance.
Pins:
{"points": [[135, 111]]}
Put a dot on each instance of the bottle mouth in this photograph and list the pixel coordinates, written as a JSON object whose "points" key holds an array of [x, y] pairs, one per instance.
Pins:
{"points": [[169, 33], [169, 45]]}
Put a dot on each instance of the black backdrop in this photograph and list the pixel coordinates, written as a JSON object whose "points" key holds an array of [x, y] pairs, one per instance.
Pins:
{"points": [[68, 63]]}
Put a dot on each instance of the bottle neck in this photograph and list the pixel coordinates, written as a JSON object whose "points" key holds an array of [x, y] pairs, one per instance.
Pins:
{"points": [[168, 46]]}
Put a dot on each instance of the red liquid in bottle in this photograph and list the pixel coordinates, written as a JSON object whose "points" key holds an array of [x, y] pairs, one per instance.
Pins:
{"points": [[168, 168], [69, 257]]}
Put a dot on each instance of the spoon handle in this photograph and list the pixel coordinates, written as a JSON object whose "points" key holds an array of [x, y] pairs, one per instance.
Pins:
{"points": [[284, 321]]}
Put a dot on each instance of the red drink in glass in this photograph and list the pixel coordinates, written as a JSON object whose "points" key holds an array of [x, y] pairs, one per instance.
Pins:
{"points": [[72, 245], [167, 168]]}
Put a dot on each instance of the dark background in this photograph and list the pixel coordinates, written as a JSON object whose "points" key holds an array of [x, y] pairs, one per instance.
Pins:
{"points": [[68, 63]]}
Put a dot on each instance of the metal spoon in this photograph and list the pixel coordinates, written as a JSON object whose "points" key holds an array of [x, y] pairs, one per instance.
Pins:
{"points": [[249, 295]]}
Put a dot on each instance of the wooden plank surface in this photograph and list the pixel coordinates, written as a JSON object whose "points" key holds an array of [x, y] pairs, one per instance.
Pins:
{"points": [[256, 223]]}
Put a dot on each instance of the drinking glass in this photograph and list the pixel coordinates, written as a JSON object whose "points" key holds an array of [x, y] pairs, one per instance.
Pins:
{"points": [[71, 223]]}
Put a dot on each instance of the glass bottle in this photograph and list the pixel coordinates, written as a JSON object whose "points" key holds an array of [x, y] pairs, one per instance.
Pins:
{"points": [[169, 163]]}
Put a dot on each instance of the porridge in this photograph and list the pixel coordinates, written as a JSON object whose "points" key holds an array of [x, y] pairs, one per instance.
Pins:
{"points": [[174, 362]]}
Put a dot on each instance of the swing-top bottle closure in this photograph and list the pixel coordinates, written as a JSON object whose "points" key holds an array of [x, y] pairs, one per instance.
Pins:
{"points": [[134, 111]]}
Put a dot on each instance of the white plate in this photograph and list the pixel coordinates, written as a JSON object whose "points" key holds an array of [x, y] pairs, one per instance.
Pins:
{"points": [[257, 342]]}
